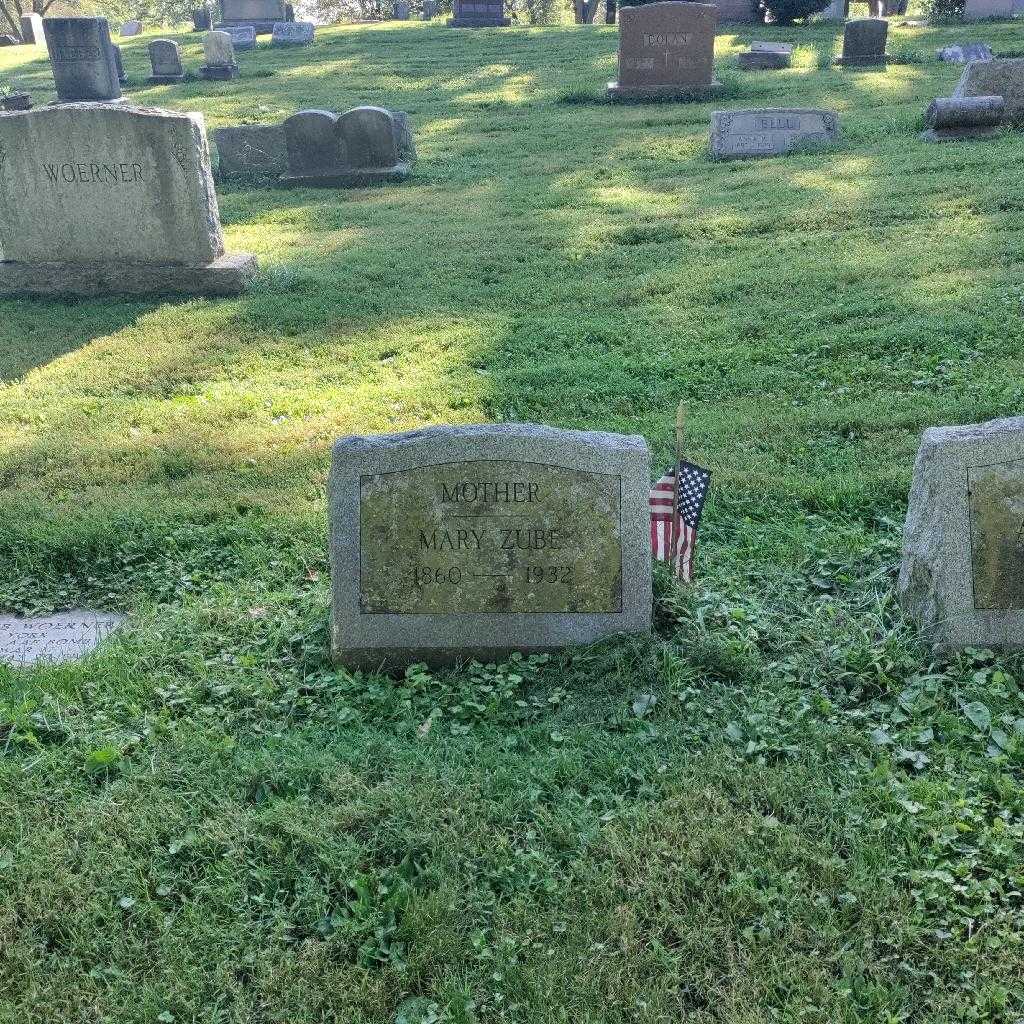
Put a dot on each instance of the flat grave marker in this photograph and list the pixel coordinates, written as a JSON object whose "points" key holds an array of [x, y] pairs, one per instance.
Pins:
{"points": [[771, 131], [55, 638]]}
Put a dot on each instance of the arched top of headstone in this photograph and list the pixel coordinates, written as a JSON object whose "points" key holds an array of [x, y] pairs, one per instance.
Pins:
{"points": [[218, 48], [368, 137]]}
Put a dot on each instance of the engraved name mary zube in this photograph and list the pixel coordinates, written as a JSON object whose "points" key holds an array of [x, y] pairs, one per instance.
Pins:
{"points": [[502, 536]]}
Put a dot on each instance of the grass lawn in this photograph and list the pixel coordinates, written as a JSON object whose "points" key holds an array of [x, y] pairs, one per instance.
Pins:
{"points": [[776, 808]]}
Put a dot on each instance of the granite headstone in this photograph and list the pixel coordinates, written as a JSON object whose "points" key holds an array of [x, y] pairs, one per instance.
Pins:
{"points": [[452, 543], [82, 59], [770, 131], [202, 18], [401, 10], [122, 76], [1000, 77], [429, 10], [293, 33], [261, 14], [55, 638], [479, 14], [251, 151], [243, 37], [130, 28], [964, 117], [864, 43], [964, 53], [32, 30], [766, 56], [978, 10], [165, 62], [108, 198], [219, 52]]}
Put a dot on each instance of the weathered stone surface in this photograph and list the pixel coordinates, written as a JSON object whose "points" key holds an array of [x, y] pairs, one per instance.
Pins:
{"points": [[82, 59], [968, 117], [243, 37], [962, 576], [758, 46], [202, 18], [479, 14], [666, 50], [401, 10], [32, 30], [864, 42], [1001, 77], [251, 151], [165, 62], [964, 53], [122, 77], [261, 14], [429, 10], [459, 542], [765, 60], [836, 11], [743, 11], [130, 28], [977, 10], [55, 638], [103, 190], [770, 131], [293, 33], [220, 56], [364, 145]]}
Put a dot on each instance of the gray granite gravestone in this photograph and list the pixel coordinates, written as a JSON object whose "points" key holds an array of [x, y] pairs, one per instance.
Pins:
{"points": [[472, 542], [864, 43], [53, 639], [739, 11], [962, 575], [770, 131], [429, 10], [219, 52], [479, 14], [293, 33], [251, 151], [666, 50], [202, 18], [165, 62], [766, 57], [106, 198], [243, 37], [365, 145], [82, 59], [261, 14], [1001, 77], [401, 10], [964, 53], [122, 77], [32, 30], [967, 117], [977, 10], [130, 28]]}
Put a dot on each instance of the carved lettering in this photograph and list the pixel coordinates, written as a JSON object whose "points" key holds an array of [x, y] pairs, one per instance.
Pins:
{"points": [[88, 174]]}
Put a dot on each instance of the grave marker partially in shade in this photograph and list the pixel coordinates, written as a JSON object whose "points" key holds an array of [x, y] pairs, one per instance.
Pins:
{"points": [[82, 58], [864, 43], [472, 542], [165, 63], [55, 638]]}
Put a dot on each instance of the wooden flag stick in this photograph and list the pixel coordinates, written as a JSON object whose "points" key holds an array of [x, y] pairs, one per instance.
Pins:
{"points": [[674, 533]]}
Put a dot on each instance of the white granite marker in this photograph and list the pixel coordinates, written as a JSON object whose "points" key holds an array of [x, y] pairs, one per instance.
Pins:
{"points": [[54, 638]]}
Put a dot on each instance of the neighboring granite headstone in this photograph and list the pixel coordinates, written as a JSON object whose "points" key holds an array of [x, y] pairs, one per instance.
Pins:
{"points": [[55, 638], [243, 37], [130, 29], [429, 10], [202, 18], [770, 131], [479, 14], [32, 30], [962, 576], [965, 117], [666, 50], [261, 14], [293, 33], [1000, 77], [452, 543], [363, 146], [251, 151], [401, 10], [82, 59], [964, 53], [837, 10], [165, 62], [767, 57], [978, 10], [739, 11], [864, 43], [122, 76], [220, 57], [107, 198]]}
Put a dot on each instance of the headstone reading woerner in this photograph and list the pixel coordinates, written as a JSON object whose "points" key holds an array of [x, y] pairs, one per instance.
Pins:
{"points": [[966, 117], [165, 62], [666, 49], [82, 59], [864, 43], [1003, 77], [261, 14], [130, 28], [479, 14], [962, 576], [32, 30], [243, 37], [219, 52], [293, 33], [964, 53], [363, 146], [55, 638], [103, 198], [453, 543], [770, 131]]}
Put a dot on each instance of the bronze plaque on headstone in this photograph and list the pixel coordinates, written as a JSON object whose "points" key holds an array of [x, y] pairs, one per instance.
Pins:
{"points": [[490, 536], [996, 496]]}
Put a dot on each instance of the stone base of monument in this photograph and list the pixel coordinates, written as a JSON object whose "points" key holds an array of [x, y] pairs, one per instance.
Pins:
{"points": [[867, 63], [682, 93], [263, 28], [231, 274], [758, 60], [353, 178], [956, 134], [219, 73], [479, 23], [165, 79]]}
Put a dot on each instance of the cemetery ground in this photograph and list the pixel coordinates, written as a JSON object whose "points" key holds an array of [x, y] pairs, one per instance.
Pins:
{"points": [[779, 807]]}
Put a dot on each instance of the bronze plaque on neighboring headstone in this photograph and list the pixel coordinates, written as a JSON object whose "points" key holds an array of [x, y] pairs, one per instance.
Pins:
{"points": [[996, 495], [490, 536]]}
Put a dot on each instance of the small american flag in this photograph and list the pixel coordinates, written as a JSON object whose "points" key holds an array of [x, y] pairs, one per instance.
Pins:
{"points": [[693, 490]]}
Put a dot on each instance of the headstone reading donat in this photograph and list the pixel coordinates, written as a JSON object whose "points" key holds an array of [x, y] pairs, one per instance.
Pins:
{"points": [[666, 50], [103, 198], [453, 543], [165, 62], [962, 576], [770, 131], [82, 59]]}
